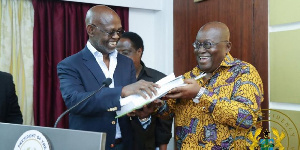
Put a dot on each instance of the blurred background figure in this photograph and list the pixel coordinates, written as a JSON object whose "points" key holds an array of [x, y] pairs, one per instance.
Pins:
{"points": [[149, 132], [9, 107]]}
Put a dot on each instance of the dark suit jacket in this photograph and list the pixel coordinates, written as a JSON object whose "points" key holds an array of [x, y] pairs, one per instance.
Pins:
{"points": [[79, 76], [9, 107]]}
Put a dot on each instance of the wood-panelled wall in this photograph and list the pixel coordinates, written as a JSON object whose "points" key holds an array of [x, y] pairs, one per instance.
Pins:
{"points": [[247, 21]]}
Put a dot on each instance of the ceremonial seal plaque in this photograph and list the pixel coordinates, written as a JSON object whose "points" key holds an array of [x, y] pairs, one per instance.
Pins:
{"points": [[32, 140]]}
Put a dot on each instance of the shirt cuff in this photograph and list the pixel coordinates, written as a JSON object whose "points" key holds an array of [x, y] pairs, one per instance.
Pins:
{"points": [[145, 122]]}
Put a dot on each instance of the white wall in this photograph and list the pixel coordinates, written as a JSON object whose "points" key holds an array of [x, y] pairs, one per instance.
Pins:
{"points": [[156, 29], [153, 21]]}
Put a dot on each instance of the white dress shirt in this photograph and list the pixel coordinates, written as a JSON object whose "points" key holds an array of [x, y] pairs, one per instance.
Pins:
{"points": [[108, 72]]}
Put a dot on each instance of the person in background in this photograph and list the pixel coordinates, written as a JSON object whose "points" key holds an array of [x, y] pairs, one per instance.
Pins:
{"points": [[221, 109], [9, 107], [156, 132], [83, 73]]}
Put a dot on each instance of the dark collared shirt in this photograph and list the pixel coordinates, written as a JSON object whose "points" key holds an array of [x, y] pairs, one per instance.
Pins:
{"points": [[159, 131]]}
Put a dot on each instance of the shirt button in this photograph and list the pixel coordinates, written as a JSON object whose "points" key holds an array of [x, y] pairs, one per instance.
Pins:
{"points": [[112, 145], [113, 122]]}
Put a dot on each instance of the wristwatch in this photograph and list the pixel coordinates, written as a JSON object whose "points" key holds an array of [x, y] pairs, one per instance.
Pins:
{"points": [[200, 93]]}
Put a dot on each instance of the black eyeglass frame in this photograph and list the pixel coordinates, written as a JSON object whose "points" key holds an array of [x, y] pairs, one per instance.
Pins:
{"points": [[111, 33], [206, 44]]}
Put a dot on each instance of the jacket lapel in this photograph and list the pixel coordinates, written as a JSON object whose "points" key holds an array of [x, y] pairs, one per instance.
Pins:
{"points": [[91, 63], [117, 73]]}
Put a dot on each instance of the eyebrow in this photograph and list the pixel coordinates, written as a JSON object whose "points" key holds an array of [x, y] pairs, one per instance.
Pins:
{"points": [[125, 50]]}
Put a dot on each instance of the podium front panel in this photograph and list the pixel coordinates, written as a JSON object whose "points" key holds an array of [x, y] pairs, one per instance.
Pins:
{"points": [[59, 139]]}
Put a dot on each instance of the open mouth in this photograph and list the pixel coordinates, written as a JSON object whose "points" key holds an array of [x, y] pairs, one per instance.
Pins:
{"points": [[112, 44], [204, 58]]}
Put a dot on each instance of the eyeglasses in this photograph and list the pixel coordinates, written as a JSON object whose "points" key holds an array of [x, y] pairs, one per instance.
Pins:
{"points": [[205, 44], [111, 33]]}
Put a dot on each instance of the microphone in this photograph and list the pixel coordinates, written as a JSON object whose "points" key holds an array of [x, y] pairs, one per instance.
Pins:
{"points": [[105, 83]]}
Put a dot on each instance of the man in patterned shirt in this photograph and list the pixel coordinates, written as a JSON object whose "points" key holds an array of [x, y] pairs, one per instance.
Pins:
{"points": [[219, 110]]}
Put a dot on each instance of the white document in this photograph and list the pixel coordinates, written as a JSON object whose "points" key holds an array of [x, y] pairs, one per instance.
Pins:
{"points": [[133, 102]]}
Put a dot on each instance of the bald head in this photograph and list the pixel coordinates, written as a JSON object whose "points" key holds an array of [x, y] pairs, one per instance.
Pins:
{"points": [[103, 25], [100, 14], [212, 45], [218, 30]]}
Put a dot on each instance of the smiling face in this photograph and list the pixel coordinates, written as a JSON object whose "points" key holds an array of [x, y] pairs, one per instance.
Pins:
{"points": [[125, 47], [210, 59], [102, 20]]}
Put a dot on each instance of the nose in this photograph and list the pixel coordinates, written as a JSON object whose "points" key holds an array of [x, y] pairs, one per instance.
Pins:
{"points": [[115, 35], [201, 49]]}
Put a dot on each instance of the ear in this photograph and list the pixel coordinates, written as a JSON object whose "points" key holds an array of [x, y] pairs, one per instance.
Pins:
{"points": [[90, 30], [228, 47], [139, 52]]}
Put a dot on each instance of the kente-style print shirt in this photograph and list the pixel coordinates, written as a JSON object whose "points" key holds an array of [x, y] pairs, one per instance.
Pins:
{"points": [[228, 110]]}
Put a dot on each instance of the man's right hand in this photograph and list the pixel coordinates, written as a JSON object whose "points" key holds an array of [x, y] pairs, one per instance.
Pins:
{"points": [[147, 109], [141, 87]]}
